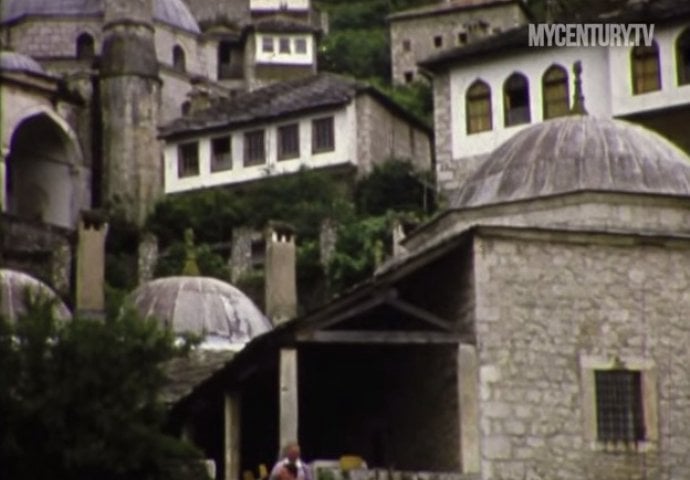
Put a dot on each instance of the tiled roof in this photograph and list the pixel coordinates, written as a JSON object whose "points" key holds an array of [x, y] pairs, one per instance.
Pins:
{"points": [[283, 26], [186, 373], [324, 90], [450, 6], [655, 11]]}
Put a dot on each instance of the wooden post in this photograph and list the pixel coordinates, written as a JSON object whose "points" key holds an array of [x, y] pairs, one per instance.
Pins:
{"points": [[288, 397], [468, 403], [231, 416]]}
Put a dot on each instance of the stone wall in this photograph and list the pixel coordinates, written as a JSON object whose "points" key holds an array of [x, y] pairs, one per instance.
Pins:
{"points": [[38, 38], [420, 32], [543, 305], [383, 135]]}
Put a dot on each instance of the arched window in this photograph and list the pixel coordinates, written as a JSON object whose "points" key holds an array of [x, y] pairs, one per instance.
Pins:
{"points": [[85, 47], [478, 107], [178, 59], [646, 74], [516, 100], [555, 93], [683, 57]]}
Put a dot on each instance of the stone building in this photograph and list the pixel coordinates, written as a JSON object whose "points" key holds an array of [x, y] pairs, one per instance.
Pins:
{"points": [[487, 91], [323, 121], [420, 32], [534, 330]]}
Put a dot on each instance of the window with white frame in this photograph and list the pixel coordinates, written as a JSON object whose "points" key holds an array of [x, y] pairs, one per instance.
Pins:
{"points": [[188, 159], [322, 135], [221, 154], [619, 403], [288, 141], [284, 45], [267, 44], [254, 148], [301, 45]]}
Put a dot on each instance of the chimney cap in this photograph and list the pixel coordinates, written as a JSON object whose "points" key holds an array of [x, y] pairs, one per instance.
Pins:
{"points": [[282, 228], [94, 218]]}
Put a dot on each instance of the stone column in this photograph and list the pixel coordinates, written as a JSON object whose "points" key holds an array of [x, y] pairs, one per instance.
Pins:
{"points": [[91, 265], [328, 237], [288, 397], [147, 257], [281, 275], [241, 254], [231, 444], [468, 402]]}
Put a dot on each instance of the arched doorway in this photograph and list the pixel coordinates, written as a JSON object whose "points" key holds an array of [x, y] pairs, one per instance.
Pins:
{"points": [[41, 178]]}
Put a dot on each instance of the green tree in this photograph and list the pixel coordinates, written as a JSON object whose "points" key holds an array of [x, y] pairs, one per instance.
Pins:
{"points": [[79, 400]]}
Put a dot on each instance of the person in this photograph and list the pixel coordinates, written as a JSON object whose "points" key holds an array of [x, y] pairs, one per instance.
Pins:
{"points": [[290, 466]]}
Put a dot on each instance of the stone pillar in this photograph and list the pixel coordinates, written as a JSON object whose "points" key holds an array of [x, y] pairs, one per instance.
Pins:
{"points": [[147, 257], [398, 237], [328, 236], [281, 278], [241, 252], [91, 265], [288, 397], [468, 402], [231, 444]]}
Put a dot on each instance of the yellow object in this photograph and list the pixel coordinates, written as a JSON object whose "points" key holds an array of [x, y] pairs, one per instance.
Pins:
{"points": [[351, 462], [247, 475], [263, 471]]}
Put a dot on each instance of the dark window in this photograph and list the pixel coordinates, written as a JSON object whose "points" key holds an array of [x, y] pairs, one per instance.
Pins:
{"points": [[221, 154], [301, 45], [462, 38], [478, 102], [620, 417], [85, 47], [438, 41], [683, 57], [284, 45], [407, 45], [254, 148], [516, 100], [267, 44], [323, 139], [288, 141], [179, 63], [555, 92], [224, 59], [188, 160], [409, 76], [646, 74]]}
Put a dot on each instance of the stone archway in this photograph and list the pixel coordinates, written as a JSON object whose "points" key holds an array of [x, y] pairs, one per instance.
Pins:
{"points": [[42, 177]]}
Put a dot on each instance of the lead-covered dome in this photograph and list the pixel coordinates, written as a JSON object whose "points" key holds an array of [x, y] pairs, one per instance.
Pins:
{"points": [[215, 310], [17, 62], [14, 288], [171, 12], [577, 153]]}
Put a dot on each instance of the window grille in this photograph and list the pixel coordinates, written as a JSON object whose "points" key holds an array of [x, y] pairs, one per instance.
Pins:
{"points": [[478, 104], [254, 148], [645, 69], [288, 141], [555, 92], [619, 406], [188, 160], [323, 139]]}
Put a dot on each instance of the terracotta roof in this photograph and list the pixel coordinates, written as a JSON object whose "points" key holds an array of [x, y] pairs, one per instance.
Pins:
{"points": [[324, 90], [577, 153], [657, 12], [444, 7]]}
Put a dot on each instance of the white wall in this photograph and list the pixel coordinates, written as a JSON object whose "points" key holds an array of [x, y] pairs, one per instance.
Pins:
{"points": [[671, 94], [532, 64], [278, 4], [292, 58], [344, 153]]}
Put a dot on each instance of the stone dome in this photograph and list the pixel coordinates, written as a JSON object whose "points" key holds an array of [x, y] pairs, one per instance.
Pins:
{"points": [[14, 286], [577, 153], [17, 62], [171, 12], [204, 306]]}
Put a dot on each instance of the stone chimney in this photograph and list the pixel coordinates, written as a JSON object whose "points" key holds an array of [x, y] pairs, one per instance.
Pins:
{"points": [[280, 272], [92, 232]]}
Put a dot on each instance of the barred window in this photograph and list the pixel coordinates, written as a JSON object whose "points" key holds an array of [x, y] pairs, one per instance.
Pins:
{"points": [[221, 154], [288, 141], [555, 92], [620, 417], [254, 148], [323, 139], [188, 160], [478, 106], [646, 73], [683, 57]]}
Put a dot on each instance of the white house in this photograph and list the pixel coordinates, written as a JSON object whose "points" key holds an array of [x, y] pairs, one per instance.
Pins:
{"points": [[487, 91], [321, 121]]}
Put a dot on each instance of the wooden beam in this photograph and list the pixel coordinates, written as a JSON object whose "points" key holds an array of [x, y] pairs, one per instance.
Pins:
{"points": [[379, 336], [379, 299], [421, 314]]}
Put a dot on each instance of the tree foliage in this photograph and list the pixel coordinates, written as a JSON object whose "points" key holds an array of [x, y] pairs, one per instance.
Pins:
{"points": [[79, 400]]}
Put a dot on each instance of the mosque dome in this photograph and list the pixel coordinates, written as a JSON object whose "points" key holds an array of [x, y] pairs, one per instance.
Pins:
{"points": [[14, 286], [577, 153], [17, 62], [171, 12], [215, 310]]}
